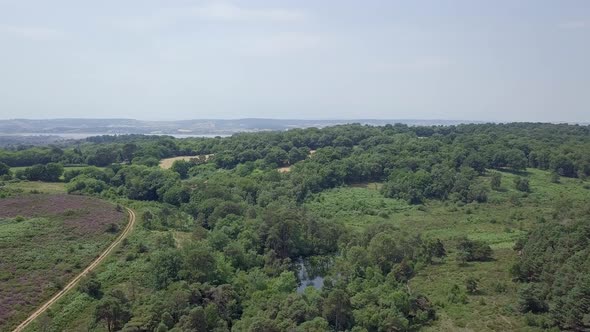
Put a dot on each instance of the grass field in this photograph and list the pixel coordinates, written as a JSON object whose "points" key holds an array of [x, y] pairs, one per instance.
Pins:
{"points": [[34, 186], [44, 241], [507, 216]]}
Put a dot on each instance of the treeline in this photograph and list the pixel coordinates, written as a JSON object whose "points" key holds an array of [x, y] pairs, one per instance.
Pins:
{"points": [[559, 148], [554, 270]]}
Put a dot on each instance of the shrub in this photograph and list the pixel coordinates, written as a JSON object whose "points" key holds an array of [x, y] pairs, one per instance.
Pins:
{"points": [[496, 181], [472, 285], [91, 286], [112, 228], [522, 184], [469, 250], [456, 295]]}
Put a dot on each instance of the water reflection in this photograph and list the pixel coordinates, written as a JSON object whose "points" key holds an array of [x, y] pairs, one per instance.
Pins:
{"points": [[311, 272]]}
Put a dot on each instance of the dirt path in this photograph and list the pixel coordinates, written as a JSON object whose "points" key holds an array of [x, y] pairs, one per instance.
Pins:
{"points": [[74, 281]]}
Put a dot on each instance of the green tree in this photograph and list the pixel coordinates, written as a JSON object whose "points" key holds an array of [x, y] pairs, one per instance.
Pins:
{"points": [[469, 250], [181, 167], [103, 156], [128, 151], [52, 172], [337, 310], [4, 169], [496, 180], [114, 311]]}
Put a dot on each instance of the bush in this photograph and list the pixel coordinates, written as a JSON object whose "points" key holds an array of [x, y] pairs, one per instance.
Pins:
{"points": [[469, 250], [496, 181], [472, 285], [522, 184], [112, 228], [91, 286], [456, 295]]}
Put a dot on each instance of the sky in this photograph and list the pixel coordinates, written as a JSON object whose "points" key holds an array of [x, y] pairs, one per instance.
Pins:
{"points": [[496, 60]]}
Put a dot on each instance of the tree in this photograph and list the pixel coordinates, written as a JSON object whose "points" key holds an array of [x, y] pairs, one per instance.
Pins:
{"points": [[50, 172], [530, 298], [4, 169], [469, 250], [113, 310], [103, 156], [337, 310], [477, 162], [195, 320], [166, 266], [181, 167], [53, 172], [413, 187], [384, 251], [198, 262], [496, 180], [554, 177], [35, 172], [128, 151], [277, 156]]}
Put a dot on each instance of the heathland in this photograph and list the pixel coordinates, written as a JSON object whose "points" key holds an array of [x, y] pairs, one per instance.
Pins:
{"points": [[45, 239]]}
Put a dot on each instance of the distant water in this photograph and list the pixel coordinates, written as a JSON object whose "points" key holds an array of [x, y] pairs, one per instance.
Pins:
{"points": [[86, 135]]}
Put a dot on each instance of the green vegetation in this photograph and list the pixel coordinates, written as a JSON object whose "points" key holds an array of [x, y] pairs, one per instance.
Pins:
{"points": [[398, 228], [45, 240]]}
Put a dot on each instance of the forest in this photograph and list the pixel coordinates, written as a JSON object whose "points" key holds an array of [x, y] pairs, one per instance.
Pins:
{"points": [[391, 228]]}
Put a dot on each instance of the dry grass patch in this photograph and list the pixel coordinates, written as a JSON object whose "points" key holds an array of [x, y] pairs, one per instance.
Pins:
{"points": [[167, 163], [286, 169]]}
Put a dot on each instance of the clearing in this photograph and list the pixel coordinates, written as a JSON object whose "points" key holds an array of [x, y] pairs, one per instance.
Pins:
{"points": [[167, 163]]}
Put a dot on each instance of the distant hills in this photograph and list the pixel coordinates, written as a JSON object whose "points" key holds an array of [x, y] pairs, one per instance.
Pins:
{"points": [[65, 127]]}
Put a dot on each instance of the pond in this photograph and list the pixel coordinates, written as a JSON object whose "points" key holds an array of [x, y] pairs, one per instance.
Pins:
{"points": [[311, 271]]}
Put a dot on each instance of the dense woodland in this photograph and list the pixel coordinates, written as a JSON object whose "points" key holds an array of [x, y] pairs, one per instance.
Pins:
{"points": [[250, 227]]}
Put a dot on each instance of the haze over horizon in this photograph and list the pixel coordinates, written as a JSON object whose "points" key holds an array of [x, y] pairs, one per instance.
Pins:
{"points": [[178, 60]]}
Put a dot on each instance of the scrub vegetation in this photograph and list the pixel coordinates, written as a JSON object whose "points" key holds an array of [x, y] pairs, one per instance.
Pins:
{"points": [[44, 241], [469, 227]]}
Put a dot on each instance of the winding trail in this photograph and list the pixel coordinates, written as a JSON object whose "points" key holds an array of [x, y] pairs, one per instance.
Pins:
{"points": [[74, 281]]}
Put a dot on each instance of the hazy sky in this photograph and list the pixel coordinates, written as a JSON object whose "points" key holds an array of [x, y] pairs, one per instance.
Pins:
{"points": [[178, 59]]}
